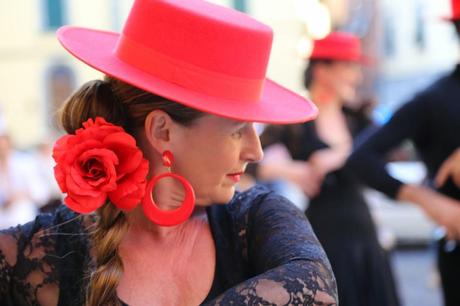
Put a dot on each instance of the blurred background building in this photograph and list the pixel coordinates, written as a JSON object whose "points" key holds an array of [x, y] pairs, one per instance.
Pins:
{"points": [[407, 41]]}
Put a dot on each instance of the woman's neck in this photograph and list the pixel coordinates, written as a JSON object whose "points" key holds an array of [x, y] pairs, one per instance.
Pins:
{"points": [[140, 225], [167, 265]]}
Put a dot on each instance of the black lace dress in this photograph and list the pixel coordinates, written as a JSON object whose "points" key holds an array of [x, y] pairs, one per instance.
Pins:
{"points": [[262, 243]]}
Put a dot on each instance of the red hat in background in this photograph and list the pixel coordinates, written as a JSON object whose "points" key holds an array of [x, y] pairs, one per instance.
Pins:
{"points": [[455, 13], [199, 54], [338, 46]]}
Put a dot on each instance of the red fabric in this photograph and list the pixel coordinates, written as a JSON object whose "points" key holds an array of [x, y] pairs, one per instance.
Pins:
{"points": [[199, 54], [166, 27], [188, 75], [455, 5], [338, 46]]}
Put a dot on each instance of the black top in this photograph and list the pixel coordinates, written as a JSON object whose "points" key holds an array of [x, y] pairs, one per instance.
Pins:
{"points": [[431, 120], [340, 200], [301, 139], [258, 236]]}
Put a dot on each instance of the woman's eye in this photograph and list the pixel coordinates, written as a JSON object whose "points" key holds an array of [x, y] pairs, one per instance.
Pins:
{"points": [[237, 134]]}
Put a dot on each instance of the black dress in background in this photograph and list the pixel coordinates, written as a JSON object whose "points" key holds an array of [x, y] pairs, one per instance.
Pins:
{"points": [[342, 222], [432, 122]]}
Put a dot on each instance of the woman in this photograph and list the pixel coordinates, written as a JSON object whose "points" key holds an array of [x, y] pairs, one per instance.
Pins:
{"points": [[337, 210], [431, 121], [172, 123]]}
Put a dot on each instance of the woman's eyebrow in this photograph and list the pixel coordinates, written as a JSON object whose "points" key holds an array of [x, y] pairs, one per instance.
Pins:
{"points": [[239, 123]]}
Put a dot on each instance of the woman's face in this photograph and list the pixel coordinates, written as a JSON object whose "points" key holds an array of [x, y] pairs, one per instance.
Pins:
{"points": [[344, 78], [212, 154]]}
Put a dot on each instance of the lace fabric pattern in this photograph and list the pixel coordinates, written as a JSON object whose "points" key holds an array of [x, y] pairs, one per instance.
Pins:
{"points": [[285, 264], [45, 262], [41, 262]]}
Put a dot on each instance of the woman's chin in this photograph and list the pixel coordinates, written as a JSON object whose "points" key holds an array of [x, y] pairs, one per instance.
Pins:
{"points": [[223, 196]]}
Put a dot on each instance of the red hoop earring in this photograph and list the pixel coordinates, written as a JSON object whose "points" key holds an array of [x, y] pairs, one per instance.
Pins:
{"points": [[168, 217]]}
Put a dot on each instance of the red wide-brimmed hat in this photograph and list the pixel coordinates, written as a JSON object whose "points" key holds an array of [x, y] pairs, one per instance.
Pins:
{"points": [[455, 11], [199, 54], [339, 46]]}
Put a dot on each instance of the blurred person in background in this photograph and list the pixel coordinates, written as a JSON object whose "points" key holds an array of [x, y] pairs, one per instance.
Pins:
{"points": [[20, 188], [281, 171], [431, 120], [358, 116], [337, 210], [44, 163], [149, 165]]}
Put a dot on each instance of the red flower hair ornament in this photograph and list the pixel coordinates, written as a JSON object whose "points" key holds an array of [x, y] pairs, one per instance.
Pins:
{"points": [[100, 162]]}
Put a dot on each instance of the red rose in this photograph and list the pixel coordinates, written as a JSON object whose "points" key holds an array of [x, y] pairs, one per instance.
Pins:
{"points": [[100, 161]]}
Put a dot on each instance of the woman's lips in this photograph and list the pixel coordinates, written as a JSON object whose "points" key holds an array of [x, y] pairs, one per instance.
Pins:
{"points": [[235, 176]]}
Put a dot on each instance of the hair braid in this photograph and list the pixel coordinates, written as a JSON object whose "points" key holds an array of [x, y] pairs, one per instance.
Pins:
{"points": [[112, 225]]}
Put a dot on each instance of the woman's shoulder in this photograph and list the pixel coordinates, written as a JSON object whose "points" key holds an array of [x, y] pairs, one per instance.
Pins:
{"points": [[266, 220], [62, 228], [55, 222], [243, 201], [258, 199], [35, 255]]}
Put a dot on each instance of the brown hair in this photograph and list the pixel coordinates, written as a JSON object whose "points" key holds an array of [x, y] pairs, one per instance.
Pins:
{"points": [[308, 76], [127, 106]]}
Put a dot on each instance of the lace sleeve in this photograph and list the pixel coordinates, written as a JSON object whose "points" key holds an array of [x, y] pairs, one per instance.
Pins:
{"points": [[31, 260], [8, 254], [299, 282], [288, 263], [26, 276]]}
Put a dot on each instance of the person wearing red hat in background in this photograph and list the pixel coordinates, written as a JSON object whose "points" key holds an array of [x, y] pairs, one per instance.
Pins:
{"points": [[169, 126], [431, 120], [337, 210]]}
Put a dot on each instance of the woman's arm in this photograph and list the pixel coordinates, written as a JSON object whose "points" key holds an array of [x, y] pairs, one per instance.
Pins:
{"points": [[8, 254], [26, 271], [328, 160], [278, 164], [33, 257], [368, 160], [287, 261], [368, 163], [443, 210], [449, 168], [293, 146], [300, 282]]}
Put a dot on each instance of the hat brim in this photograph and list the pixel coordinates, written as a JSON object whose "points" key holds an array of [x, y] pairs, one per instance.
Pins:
{"points": [[278, 105], [451, 18], [362, 59]]}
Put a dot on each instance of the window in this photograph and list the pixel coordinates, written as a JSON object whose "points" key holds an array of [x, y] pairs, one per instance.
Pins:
{"points": [[53, 14], [420, 35], [60, 82], [240, 5]]}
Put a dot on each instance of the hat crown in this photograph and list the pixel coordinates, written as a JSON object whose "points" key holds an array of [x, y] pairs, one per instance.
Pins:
{"points": [[201, 34], [338, 46], [202, 55], [455, 5]]}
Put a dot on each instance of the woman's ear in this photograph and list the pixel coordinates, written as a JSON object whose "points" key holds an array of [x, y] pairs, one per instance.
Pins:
{"points": [[157, 128]]}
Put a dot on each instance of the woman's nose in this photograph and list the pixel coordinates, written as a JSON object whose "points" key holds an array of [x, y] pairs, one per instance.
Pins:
{"points": [[252, 151]]}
